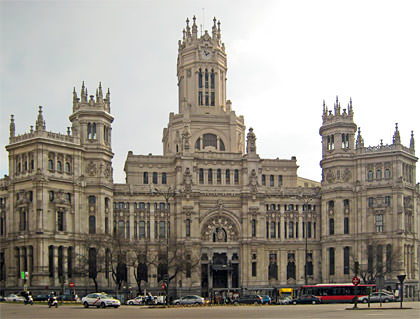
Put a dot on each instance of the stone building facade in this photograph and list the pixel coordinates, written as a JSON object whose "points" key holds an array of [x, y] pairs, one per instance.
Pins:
{"points": [[214, 212]]}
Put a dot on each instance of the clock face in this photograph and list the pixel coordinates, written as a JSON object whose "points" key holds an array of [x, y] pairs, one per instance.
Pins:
{"points": [[206, 54]]}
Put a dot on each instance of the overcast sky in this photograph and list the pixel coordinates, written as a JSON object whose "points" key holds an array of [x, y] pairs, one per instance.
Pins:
{"points": [[284, 59]]}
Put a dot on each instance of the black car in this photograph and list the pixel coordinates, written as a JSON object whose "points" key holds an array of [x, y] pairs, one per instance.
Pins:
{"points": [[67, 298], [305, 300], [250, 299], [41, 298]]}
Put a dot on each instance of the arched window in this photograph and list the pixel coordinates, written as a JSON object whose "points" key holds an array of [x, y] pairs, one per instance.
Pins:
{"points": [[370, 175], [68, 168], [197, 144], [92, 225], [89, 131], [200, 79], [94, 131], [59, 166], [378, 174], [212, 79]]}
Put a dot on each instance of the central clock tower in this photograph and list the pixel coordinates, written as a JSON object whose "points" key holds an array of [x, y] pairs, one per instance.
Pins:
{"points": [[201, 69], [206, 121]]}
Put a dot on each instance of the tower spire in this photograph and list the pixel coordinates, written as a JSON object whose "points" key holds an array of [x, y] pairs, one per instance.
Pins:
{"points": [[214, 29]]}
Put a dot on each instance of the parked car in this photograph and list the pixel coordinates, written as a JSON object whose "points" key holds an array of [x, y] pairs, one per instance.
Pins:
{"points": [[377, 297], [285, 301], [266, 300], [139, 300], [67, 298], [250, 299], [14, 297], [41, 298], [305, 300], [189, 300], [100, 301]]}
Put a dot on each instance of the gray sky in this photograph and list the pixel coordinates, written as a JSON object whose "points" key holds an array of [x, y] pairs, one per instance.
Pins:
{"points": [[284, 59]]}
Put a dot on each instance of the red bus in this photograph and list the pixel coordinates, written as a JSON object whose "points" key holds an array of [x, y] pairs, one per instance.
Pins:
{"points": [[329, 293]]}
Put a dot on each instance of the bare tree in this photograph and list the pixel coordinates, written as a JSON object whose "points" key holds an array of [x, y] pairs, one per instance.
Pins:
{"points": [[378, 261], [90, 258], [140, 259]]}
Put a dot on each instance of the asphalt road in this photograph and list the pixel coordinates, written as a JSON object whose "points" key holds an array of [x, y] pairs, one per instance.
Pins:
{"points": [[20, 311]]}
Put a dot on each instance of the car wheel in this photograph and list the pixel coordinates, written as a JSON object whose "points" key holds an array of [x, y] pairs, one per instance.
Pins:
{"points": [[365, 301], [116, 306], [313, 302], [236, 303], [197, 303], [131, 303], [386, 300], [177, 303], [294, 302], [103, 305], [85, 304]]}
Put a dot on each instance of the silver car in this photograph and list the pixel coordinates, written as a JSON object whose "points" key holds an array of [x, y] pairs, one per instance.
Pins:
{"points": [[377, 297], [189, 300]]}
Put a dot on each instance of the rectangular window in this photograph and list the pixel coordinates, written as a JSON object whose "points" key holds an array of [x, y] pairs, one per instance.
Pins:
{"points": [[388, 201], [271, 180], [273, 230], [155, 177], [331, 224], [219, 176], [285, 230], [379, 223], [346, 225], [227, 176], [267, 231], [212, 98], [236, 176], [263, 179], [332, 260], [200, 98], [60, 221], [201, 176], [346, 256], [210, 176], [164, 178], [254, 269], [291, 229], [162, 229], [145, 178], [280, 180], [142, 231], [188, 228], [254, 228]]}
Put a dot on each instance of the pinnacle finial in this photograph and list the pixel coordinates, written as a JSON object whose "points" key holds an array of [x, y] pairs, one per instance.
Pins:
{"points": [[40, 123], [396, 139], [412, 141], [12, 126]]}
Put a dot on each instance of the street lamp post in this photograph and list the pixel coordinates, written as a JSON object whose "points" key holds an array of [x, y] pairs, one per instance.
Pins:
{"points": [[307, 201], [167, 195]]}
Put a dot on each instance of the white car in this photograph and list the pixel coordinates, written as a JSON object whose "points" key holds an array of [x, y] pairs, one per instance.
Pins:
{"points": [[139, 300], [14, 297], [100, 301]]}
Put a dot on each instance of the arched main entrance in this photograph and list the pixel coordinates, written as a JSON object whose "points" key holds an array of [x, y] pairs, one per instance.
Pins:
{"points": [[220, 255]]}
